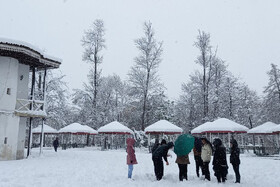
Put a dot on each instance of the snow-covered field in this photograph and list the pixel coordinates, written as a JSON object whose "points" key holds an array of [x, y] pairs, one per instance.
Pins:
{"points": [[92, 167]]}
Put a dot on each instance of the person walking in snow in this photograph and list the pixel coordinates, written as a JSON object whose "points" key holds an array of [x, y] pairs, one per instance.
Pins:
{"points": [[220, 166], [197, 154], [158, 154], [183, 162], [131, 158], [55, 144], [206, 153], [234, 159]]}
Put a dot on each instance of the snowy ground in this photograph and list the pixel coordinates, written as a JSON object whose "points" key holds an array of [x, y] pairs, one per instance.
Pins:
{"points": [[92, 167]]}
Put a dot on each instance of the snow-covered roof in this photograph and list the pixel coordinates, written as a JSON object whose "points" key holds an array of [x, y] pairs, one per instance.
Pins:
{"points": [[76, 128], [47, 130], [266, 128], [276, 129], [163, 126], [221, 125], [114, 128], [27, 53]]}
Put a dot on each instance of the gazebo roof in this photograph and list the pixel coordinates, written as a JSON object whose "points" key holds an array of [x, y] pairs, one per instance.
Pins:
{"points": [[276, 129], [27, 54], [114, 128], [221, 125], [76, 128], [47, 130], [266, 128], [163, 126]]}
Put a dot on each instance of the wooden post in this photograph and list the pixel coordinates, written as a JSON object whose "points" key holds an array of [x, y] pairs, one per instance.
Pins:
{"points": [[30, 119], [42, 137]]}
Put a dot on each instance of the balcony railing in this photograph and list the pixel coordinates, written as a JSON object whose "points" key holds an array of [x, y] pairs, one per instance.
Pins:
{"points": [[30, 108]]}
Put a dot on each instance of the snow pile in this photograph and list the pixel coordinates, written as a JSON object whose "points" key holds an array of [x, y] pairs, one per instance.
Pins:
{"points": [[221, 125], [266, 128], [78, 128], [163, 126], [115, 128], [47, 130]]}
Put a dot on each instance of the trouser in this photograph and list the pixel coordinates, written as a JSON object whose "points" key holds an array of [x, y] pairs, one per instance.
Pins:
{"points": [[205, 170], [55, 148], [158, 166], [130, 169], [183, 171], [198, 163], [221, 173], [236, 171]]}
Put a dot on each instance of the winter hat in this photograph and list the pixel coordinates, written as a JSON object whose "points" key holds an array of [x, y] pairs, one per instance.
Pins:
{"points": [[234, 143]]}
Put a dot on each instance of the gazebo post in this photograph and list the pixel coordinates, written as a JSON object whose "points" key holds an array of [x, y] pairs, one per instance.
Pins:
{"points": [[112, 140], [149, 139], [42, 137], [228, 139], [210, 137]]}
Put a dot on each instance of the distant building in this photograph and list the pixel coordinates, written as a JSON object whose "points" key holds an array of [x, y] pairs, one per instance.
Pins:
{"points": [[18, 106]]}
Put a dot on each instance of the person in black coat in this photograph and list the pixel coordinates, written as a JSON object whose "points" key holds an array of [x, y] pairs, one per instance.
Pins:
{"points": [[220, 166], [157, 155], [197, 154], [55, 144], [234, 159], [157, 144]]}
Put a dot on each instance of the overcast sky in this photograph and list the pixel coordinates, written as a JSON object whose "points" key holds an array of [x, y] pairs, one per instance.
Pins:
{"points": [[247, 33]]}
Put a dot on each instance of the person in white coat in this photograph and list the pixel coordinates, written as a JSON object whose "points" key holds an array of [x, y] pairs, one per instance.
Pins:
{"points": [[206, 153]]}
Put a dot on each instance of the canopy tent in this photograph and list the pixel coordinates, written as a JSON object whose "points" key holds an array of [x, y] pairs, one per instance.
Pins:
{"points": [[219, 127], [114, 128], [47, 131], [77, 129], [266, 128], [266, 141], [162, 127], [276, 129]]}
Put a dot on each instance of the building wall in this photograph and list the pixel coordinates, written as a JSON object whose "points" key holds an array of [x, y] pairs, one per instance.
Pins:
{"points": [[12, 127]]}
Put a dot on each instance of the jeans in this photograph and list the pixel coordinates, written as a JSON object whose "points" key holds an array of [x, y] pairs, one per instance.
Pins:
{"points": [[130, 169]]}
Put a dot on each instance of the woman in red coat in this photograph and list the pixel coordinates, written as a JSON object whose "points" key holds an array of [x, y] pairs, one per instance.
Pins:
{"points": [[131, 158]]}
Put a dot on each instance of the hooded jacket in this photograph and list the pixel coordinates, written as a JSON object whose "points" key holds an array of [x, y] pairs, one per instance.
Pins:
{"points": [[234, 153], [131, 158], [206, 151], [220, 158]]}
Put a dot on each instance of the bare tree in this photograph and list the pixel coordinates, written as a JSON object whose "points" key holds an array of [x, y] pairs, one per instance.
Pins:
{"points": [[93, 41], [143, 75], [205, 59]]}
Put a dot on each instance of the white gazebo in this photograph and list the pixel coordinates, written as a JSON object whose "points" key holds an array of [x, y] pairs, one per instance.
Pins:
{"points": [[47, 131], [221, 127], [162, 127], [114, 128], [265, 137], [77, 129]]}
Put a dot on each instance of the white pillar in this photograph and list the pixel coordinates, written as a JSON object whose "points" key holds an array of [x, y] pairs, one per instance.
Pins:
{"points": [[149, 139]]}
